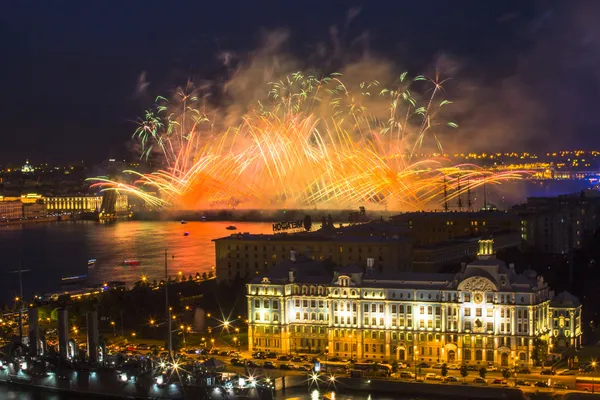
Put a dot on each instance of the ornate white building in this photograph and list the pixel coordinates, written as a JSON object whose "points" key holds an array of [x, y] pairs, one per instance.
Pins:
{"points": [[485, 313]]}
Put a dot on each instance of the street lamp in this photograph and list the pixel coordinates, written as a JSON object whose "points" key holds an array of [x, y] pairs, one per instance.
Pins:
{"points": [[515, 369], [112, 323], [182, 329], [416, 351], [212, 343], [594, 378]]}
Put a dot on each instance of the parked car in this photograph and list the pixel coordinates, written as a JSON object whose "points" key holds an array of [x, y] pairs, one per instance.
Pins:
{"points": [[305, 367], [283, 358], [142, 346], [547, 372], [224, 353], [499, 381], [252, 364], [451, 379], [473, 368], [269, 365], [271, 355], [438, 366], [479, 381], [423, 365], [297, 359], [523, 383], [454, 367], [237, 362], [259, 355], [566, 372], [559, 385], [523, 371], [407, 375], [430, 376], [286, 366], [541, 384], [491, 368], [335, 359]]}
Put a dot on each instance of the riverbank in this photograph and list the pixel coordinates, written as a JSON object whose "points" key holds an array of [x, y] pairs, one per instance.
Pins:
{"points": [[54, 218], [270, 216]]}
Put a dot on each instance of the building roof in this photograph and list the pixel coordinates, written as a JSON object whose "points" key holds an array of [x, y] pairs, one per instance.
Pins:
{"points": [[566, 300], [452, 214], [309, 237], [486, 273]]}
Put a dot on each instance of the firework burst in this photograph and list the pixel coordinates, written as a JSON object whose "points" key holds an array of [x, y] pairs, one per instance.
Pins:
{"points": [[314, 142]]}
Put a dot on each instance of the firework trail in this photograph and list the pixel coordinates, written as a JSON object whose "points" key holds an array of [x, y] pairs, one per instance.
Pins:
{"points": [[314, 142]]}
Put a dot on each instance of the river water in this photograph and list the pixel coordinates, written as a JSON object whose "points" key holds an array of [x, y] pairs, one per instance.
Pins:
{"points": [[50, 251]]}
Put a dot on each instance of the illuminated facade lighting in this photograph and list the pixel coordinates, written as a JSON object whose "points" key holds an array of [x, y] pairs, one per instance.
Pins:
{"points": [[485, 313]]}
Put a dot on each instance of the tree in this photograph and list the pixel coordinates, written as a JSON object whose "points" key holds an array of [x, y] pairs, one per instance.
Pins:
{"points": [[204, 276], [444, 370], [506, 373], [539, 352], [395, 366], [210, 275], [482, 372], [464, 371]]}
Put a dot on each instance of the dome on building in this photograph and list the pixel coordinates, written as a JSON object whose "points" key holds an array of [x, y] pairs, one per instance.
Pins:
{"points": [[27, 168], [565, 299]]}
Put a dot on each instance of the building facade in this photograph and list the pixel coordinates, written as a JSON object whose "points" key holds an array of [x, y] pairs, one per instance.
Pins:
{"points": [[428, 228], [11, 210], [559, 225], [83, 203], [244, 255], [485, 313], [34, 210]]}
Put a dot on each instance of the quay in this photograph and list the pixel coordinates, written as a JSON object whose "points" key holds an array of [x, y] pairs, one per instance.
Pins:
{"points": [[107, 383]]}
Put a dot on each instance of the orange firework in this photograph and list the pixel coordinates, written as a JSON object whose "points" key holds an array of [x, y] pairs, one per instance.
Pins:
{"points": [[316, 142]]}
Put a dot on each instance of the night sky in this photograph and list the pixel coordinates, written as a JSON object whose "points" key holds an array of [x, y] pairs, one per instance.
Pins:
{"points": [[75, 74]]}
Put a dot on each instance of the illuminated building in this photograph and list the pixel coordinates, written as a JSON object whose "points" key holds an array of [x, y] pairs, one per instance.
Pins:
{"points": [[83, 203], [485, 313], [34, 210], [566, 321], [27, 168], [10, 209]]}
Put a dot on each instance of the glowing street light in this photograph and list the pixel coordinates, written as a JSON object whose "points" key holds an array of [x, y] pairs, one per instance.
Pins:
{"points": [[593, 379], [112, 323]]}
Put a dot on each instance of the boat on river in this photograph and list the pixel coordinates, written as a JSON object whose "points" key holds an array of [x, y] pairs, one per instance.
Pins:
{"points": [[131, 262], [91, 262], [231, 228]]}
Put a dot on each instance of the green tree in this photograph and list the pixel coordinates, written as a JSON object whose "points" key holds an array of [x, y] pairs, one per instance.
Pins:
{"points": [[539, 352], [482, 372], [464, 371], [444, 370], [395, 366]]}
